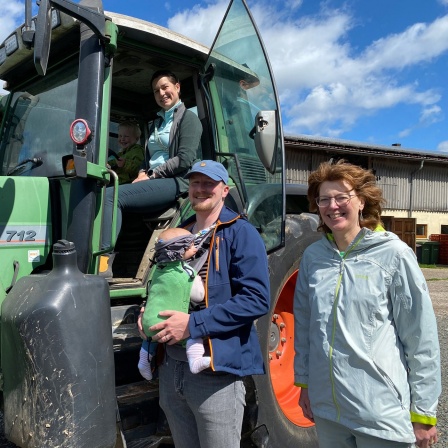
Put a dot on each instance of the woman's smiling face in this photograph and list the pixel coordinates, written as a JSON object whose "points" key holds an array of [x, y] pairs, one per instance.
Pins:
{"points": [[343, 220], [166, 93]]}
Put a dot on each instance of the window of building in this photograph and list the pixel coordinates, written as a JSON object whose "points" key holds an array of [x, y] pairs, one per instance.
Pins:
{"points": [[421, 231], [444, 229]]}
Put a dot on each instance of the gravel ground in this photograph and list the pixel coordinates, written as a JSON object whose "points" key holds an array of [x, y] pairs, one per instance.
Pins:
{"points": [[438, 286]]}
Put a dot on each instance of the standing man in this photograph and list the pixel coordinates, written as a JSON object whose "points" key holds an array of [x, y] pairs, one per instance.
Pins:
{"points": [[206, 409]]}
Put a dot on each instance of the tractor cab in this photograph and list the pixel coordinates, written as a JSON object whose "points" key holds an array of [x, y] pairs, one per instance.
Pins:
{"points": [[61, 181]]}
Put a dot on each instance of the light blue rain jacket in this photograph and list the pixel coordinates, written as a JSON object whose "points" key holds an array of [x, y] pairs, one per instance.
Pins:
{"points": [[366, 336]]}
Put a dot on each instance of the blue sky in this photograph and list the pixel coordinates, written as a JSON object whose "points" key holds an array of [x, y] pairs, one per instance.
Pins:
{"points": [[373, 72]]}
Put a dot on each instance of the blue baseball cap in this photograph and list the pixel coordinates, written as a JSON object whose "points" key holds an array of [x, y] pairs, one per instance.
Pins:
{"points": [[210, 168]]}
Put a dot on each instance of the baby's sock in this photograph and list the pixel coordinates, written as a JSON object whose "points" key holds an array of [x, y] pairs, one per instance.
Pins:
{"points": [[144, 364], [195, 352]]}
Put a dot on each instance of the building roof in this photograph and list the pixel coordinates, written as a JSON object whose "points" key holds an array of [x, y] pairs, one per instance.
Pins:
{"points": [[347, 146]]}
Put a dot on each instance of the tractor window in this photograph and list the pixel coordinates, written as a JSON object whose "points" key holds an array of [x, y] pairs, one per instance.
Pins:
{"points": [[240, 87], [37, 125]]}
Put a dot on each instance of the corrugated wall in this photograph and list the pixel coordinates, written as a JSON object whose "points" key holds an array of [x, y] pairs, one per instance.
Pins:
{"points": [[300, 163], [429, 184]]}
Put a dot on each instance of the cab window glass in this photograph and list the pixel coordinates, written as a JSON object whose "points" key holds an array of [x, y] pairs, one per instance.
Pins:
{"points": [[241, 86], [37, 127]]}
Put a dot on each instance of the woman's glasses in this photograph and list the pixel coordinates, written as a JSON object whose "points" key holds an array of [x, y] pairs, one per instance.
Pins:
{"points": [[340, 199]]}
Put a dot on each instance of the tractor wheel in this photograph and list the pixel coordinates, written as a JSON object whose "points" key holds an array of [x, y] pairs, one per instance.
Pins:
{"points": [[280, 421]]}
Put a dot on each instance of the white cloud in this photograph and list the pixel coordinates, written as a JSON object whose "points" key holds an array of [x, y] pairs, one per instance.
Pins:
{"points": [[326, 84], [443, 146], [198, 23], [431, 114], [419, 43], [331, 88], [11, 15], [405, 133], [294, 4]]}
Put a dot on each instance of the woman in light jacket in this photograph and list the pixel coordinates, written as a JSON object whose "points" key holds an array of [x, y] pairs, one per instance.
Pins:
{"points": [[367, 352]]}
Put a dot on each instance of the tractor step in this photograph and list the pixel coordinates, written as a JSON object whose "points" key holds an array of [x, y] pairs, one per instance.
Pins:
{"points": [[137, 392], [137, 439], [124, 327], [143, 423]]}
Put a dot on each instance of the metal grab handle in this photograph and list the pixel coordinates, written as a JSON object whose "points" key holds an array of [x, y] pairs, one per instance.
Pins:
{"points": [[113, 238]]}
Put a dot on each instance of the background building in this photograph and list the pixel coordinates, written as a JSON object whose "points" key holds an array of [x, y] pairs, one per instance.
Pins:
{"points": [[415, 184]]}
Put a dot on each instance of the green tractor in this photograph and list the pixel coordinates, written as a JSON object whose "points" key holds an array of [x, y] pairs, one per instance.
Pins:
{"points": [[69, 339]]}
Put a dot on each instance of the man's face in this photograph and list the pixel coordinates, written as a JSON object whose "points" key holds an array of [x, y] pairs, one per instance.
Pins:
{"points": [[206, 194]]}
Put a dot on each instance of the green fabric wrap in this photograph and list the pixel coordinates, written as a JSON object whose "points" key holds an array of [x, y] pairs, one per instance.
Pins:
{"points": [[170, 290]]}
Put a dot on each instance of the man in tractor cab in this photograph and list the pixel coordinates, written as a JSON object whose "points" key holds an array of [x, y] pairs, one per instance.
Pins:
{"points": [[206, 409]]}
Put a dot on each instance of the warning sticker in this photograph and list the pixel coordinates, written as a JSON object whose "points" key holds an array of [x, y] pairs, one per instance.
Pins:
{"points": [[34, 256]]}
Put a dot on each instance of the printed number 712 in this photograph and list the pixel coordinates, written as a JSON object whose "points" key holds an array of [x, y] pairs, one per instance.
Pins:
{"points": [[23, 235]]}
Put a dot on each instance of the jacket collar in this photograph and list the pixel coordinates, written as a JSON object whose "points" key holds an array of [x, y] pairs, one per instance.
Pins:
{"points": [[226, 215], [364, 239]]}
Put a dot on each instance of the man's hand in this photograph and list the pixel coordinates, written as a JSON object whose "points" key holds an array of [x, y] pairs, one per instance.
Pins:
{"points": [[172, 330], [304, 403], [426, 435]]}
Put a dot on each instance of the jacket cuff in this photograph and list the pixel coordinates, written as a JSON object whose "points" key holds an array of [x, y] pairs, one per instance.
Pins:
{"points": [[425, 419], [196, 326]]}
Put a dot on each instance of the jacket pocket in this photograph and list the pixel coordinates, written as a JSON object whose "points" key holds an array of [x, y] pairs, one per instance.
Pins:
{"points": [[391, 385]]}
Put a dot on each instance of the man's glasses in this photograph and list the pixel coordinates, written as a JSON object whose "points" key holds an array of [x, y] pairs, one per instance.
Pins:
{"points": [[340, 199]]}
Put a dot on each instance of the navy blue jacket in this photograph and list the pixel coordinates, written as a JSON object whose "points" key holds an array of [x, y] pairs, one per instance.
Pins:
{"points": [[236, 294]]}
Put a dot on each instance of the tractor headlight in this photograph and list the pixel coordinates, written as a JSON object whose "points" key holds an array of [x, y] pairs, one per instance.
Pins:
{"points": [[79, 131]]}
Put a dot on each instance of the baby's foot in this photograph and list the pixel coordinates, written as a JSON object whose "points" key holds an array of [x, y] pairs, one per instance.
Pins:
{"points": [[144, 364]]}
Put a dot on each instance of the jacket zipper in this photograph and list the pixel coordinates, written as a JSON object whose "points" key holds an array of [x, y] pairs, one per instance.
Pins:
{"points": [[216, 244], [333, 333], [217, 253]]}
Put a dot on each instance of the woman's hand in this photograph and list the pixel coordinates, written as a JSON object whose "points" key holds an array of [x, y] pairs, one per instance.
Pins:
{"points": [[304, 403], [173, 329], [141, 176], [426, 435]]}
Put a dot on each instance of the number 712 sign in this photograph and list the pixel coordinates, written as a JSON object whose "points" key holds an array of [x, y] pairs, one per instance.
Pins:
{"points": [[23, 235]]}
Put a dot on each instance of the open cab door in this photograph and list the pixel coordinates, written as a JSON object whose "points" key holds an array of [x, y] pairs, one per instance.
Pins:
{"points": [[247, 121], [249, 142]]}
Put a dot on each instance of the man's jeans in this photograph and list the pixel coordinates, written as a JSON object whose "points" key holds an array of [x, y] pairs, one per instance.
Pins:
{"points": [[203, 410]]}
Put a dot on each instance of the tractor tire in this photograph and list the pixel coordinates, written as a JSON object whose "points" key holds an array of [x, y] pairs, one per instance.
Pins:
{"points": [[280, 421]]}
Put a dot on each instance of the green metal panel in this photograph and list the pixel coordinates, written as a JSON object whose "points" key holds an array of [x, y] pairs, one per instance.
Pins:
{"points": [[25, 226]]}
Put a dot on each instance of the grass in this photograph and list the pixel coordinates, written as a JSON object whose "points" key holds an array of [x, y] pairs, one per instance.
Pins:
{"points": [[433, 266]]}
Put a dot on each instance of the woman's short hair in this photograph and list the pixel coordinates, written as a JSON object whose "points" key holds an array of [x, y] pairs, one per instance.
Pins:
{"points": [[361, 180], [164, 73], [131, 125]]}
